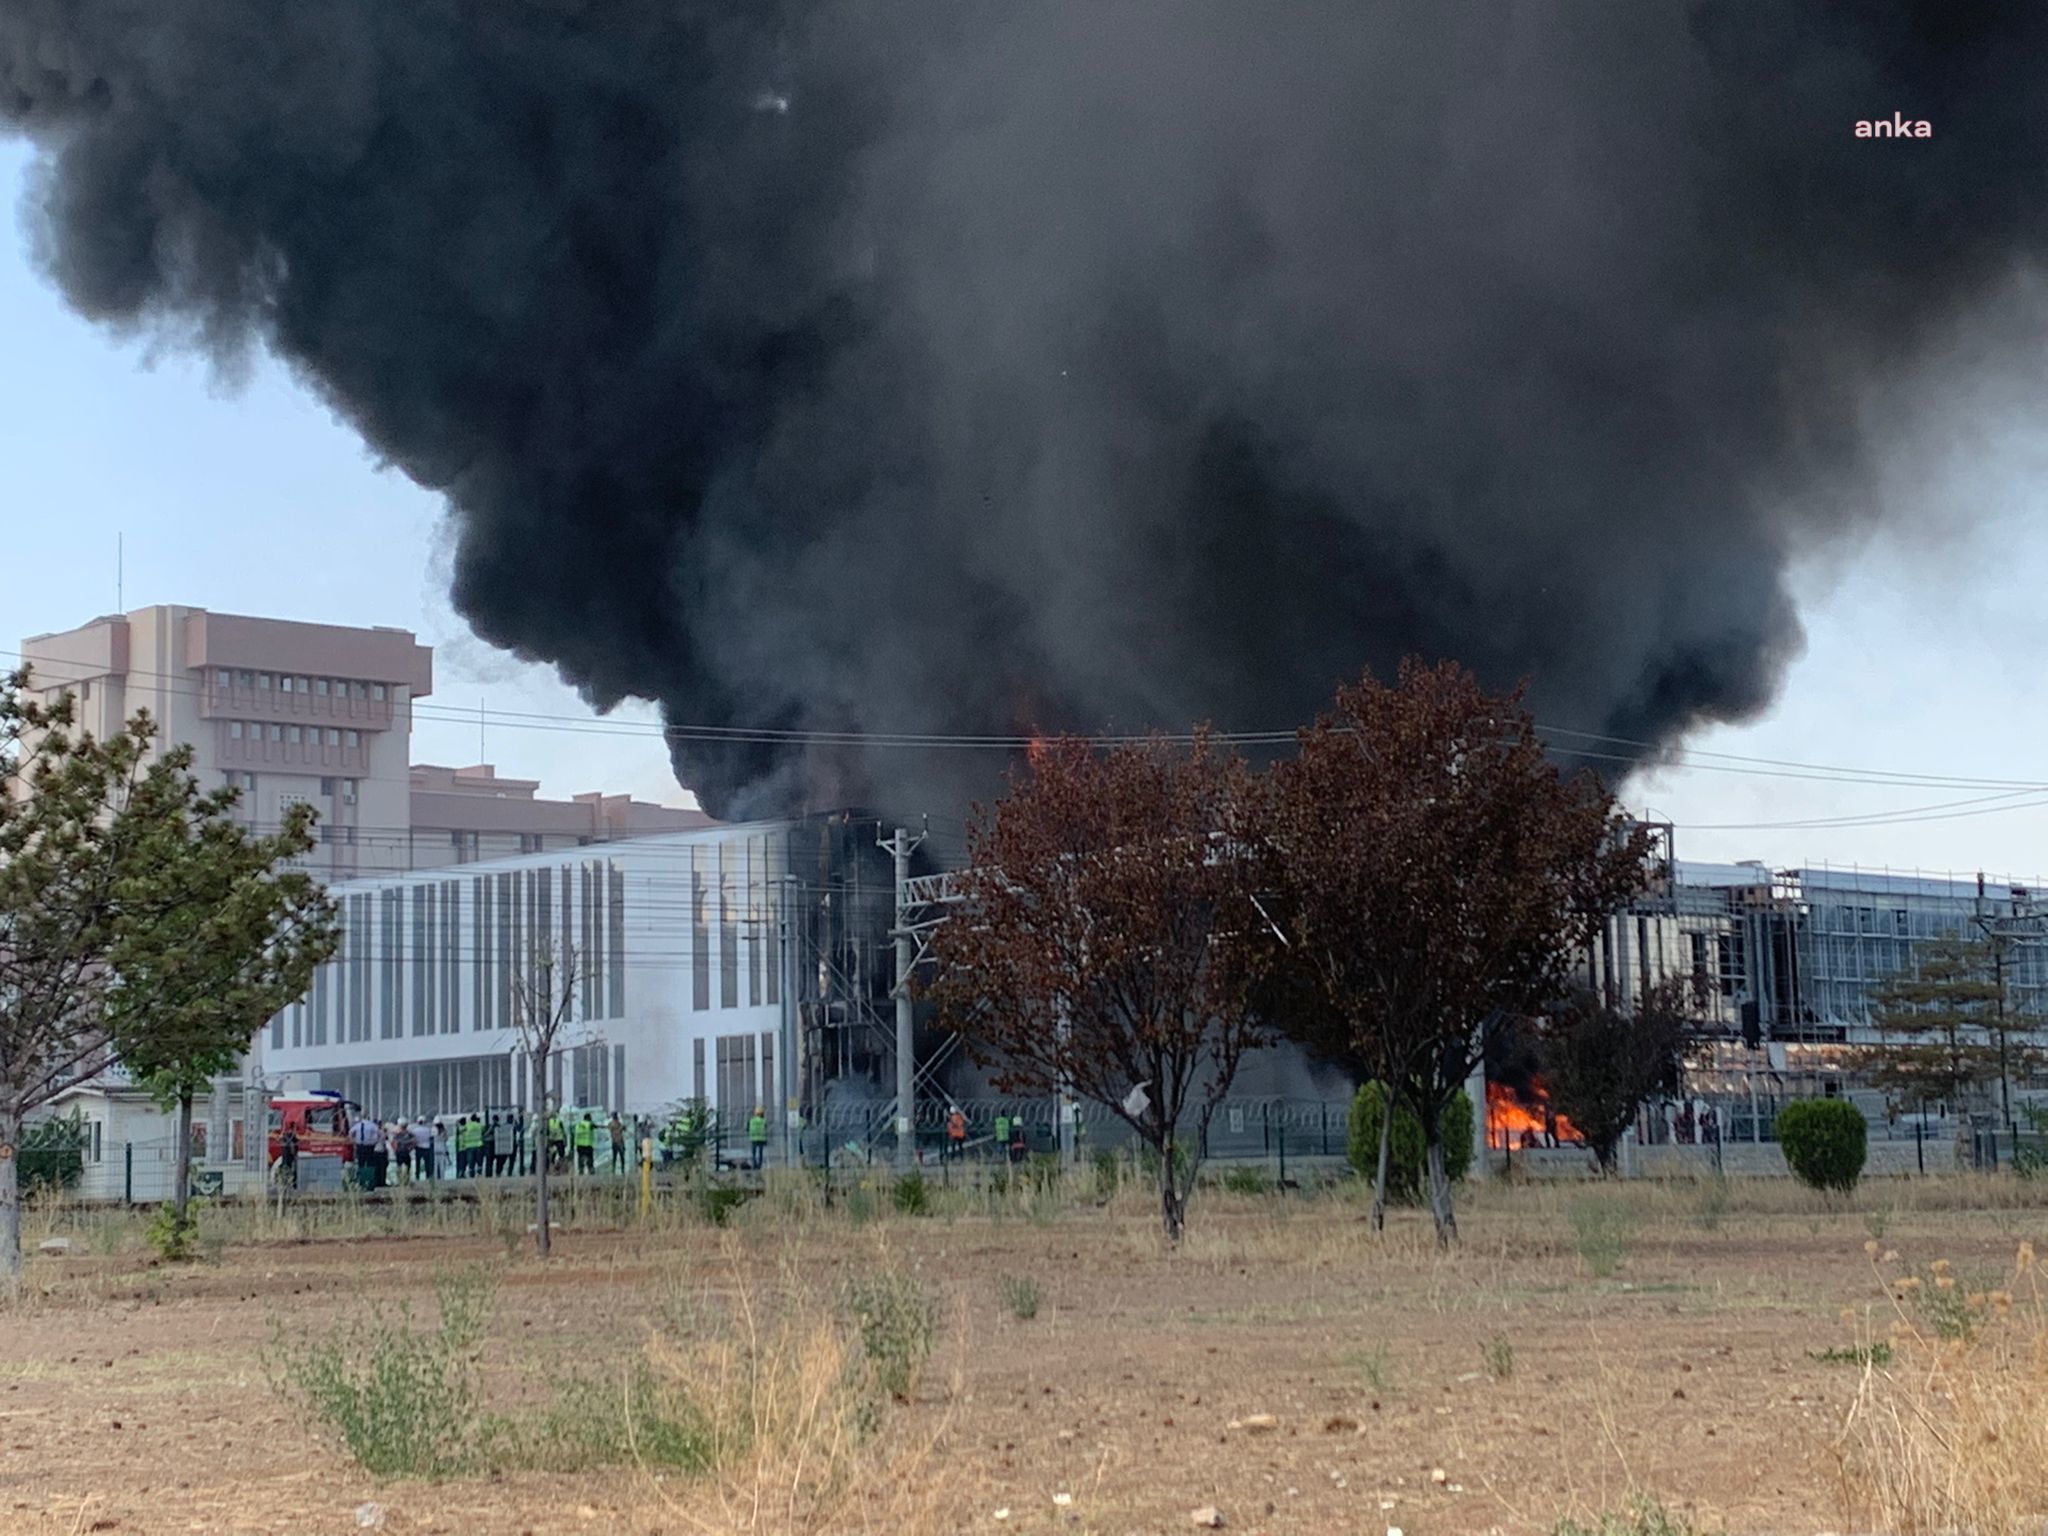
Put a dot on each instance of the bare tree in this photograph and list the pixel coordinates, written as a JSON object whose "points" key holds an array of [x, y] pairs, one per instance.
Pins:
{"points": [[543, 1011]]}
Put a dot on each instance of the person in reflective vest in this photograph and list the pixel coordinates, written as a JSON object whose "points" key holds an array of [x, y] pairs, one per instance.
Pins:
{"points": [[956, 1133], [586, 1144], [1002, 1134], [757, 1135], [556, 1144]]}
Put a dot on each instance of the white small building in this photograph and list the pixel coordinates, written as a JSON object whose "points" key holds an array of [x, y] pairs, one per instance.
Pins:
{"points": [[130, 1150]]}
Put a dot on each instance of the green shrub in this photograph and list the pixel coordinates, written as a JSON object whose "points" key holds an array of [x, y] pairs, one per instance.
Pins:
{"points": [[174, 1237], [1247, 1181], [1020, 1295], [403, 1400], [1604, 1232], [911, 1195], [1825, 1142], [1499, 1356], [1644, 1517], [51, 1153], [1148, 1164], [717, 1202], [1405, 1157], [1711, 1205], [860, 1205], [628, 1420], [1107, 1174], [1878, 1354], [896, 1317]]}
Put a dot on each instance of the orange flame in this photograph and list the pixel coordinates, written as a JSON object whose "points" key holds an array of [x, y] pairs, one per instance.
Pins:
{"points": [[1034, 749], [1513, 1122]]}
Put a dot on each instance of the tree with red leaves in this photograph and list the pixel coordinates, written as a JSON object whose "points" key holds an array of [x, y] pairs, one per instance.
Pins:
{"points": [[1110, 939], [1434, 872], [1603, 1062]]}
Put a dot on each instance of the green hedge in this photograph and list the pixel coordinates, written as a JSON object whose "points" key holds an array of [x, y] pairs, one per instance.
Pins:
{"points": [[52, 1154], [1405, 1156], [1825, 1142]]}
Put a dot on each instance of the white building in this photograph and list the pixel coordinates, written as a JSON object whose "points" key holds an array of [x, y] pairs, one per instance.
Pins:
{"points": [[684, 986]]}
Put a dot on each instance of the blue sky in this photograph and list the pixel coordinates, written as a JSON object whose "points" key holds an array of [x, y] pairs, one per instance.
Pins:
{"points": [[1923, 657]]}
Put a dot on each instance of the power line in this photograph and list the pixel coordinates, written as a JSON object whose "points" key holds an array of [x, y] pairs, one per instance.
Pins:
{"points": [[2014, 794]]}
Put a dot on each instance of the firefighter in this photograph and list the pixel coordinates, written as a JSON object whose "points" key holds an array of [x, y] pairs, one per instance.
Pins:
{"points": [[586, 1144], [1019, 1146], [288, 1159], [616, 1130], [757, 1135], [956, 1133]]}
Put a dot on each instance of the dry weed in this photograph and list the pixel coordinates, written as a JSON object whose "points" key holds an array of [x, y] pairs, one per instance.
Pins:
{"points": [[793, 1424], [1953, 1434]]}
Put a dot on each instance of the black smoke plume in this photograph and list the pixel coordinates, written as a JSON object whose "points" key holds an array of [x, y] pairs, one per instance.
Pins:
{"points": [[956, 365]]}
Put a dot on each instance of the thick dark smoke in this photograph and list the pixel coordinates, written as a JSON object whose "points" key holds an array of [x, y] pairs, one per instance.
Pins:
{"points": [[953, 365]]}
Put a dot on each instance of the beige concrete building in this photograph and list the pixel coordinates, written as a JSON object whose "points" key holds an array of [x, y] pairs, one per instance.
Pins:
{"points": [[322, 713], [461, 815], [284, 711]]}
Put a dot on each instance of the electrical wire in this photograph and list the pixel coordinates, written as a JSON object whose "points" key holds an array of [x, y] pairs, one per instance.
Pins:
{"points": [[1643, 756]]}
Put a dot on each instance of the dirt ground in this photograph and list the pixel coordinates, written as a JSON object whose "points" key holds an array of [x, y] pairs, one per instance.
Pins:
{"points": [[1501, 1387]]}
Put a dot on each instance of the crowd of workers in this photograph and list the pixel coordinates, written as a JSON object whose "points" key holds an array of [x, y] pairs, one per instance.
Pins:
{"points": [[504, 1145]]}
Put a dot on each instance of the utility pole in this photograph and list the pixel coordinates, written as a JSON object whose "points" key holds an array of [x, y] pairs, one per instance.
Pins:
{"points": [[792, 1082], [1996, 932], [902, 845]]}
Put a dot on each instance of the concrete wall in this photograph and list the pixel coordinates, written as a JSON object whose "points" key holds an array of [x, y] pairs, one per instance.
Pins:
{"points": [[1738, 1160]]}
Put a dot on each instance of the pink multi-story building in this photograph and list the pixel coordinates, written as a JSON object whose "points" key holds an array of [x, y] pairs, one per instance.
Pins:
{"points": [[291, 712]]}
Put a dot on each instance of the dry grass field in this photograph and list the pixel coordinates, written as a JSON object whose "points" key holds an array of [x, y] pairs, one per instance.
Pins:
{"points": [[1582, 1351]]}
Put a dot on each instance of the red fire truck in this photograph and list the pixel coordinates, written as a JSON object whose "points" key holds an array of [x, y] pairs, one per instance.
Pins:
{"points": [[320, 1118]]}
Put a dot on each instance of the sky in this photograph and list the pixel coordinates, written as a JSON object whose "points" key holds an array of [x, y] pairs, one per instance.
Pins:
{"points": [[1922, 665]]}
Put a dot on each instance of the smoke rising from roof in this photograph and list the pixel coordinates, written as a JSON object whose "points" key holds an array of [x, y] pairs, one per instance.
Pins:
{"points": [[957, 366]]}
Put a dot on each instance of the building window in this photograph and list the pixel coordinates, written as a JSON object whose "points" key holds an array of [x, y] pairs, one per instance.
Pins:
{"points": [[333, 737], [277, 733], [320, 686], [284, 685], [234, 730], [262, 679], [362, 692], [355, 738], [327, 786], [220, 679], [377, 692], [295, 736]]}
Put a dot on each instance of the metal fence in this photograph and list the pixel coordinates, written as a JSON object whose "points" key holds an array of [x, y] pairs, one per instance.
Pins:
{"points": [[1275, 1130]]}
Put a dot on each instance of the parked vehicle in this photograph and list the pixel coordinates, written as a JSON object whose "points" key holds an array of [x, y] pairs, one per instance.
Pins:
{"points": [[321, 1120]]}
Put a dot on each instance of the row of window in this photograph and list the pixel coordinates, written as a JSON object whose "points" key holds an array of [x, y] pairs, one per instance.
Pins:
{"points": [[318, 687], [384, 988], [293, 735]]}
